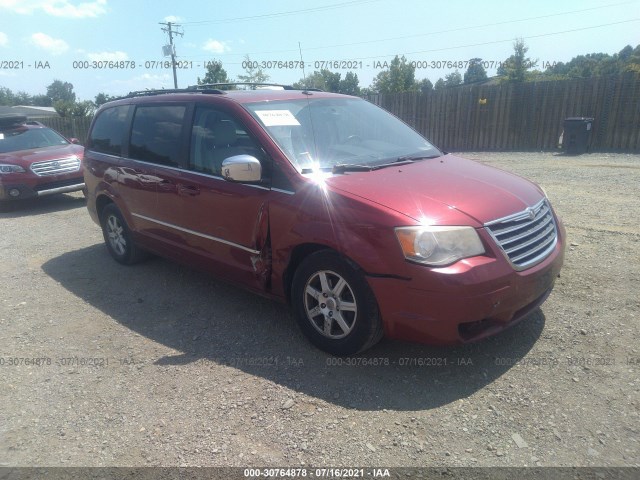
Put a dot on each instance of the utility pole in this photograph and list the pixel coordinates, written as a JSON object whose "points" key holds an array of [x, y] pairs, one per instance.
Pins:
{"points": [[172, 48]]}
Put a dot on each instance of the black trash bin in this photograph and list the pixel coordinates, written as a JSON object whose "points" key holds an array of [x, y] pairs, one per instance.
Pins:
{"points": [[577, 134]]}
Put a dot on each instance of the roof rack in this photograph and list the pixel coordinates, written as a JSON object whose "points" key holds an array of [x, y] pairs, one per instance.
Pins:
{"points": [[247, 84], [213, 88], [256, 85], [191, 89]]}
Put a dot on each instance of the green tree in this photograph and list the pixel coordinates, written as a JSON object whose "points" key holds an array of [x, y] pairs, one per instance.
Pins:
{"points": [[9, 98], [6, 97], [63, 108], [632, 62], [400, 77], [475, 71], [40, 100], [253, 74], [329, 81], [584, 66], [323, 79], [626, 53], [214, 74], [366, 91], [102, 98], [350, 85], [515, 68], [83, 109], [596, 64], [23, 98], [425, 85], [61, 91], [453, 79], [74, 109]]}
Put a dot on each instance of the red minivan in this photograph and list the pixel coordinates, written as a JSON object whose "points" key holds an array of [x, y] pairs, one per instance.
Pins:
{"points": [[327, 202]]}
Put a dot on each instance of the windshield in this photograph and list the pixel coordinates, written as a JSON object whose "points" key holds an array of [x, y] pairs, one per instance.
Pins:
{"points": [[325, 132], [27, 139]]}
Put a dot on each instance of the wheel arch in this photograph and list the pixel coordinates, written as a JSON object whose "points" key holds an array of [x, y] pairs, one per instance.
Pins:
{"points": [[101, 202], [298, 254]]}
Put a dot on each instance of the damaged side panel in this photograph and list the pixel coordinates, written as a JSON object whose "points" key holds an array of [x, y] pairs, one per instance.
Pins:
{"points": [[261, 262]]}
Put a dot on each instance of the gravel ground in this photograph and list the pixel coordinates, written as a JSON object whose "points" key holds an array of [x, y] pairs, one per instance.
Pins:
{"points": [[158, 364]]}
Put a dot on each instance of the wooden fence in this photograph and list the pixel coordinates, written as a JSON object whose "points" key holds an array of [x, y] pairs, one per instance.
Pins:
{"points": [[525, 116], [77, 127]]}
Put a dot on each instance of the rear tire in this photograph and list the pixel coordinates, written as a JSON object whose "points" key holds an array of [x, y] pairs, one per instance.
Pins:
{"points": [[118, 238], [334, 306]]}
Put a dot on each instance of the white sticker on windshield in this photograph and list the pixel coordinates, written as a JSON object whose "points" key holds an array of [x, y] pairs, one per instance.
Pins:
{"points": [[277, 118], [1, 136]]}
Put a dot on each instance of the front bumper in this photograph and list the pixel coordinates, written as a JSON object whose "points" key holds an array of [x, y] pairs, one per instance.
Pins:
{"points": [[466, 302], [21, 191]]}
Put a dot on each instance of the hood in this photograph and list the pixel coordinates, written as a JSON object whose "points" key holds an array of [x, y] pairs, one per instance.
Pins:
{"points": [[25, 158], [429, 189]]}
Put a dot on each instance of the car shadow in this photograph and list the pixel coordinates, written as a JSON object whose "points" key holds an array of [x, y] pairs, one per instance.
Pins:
{"points": [[204, 318], [42, 205]]}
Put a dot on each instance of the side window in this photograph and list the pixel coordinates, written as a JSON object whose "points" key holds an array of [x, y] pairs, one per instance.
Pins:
{"points": [[217, 136], [156, 135], [109, 130]]}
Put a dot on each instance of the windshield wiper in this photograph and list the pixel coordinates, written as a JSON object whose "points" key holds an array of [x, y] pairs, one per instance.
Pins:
{"points": [[413, 158], [346, 167], [354, 167], [342, 168]]}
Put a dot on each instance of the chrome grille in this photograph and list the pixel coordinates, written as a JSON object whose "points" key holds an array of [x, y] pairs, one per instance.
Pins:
{"points": [[56, 167], [526, 237]]}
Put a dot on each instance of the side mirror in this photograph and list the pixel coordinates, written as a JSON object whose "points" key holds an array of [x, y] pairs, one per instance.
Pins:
{"points": [[74, 140], [242, 168]]}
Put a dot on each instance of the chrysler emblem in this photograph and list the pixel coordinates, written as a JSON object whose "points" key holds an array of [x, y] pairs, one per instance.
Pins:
{"points": [[531, 213], [56, 164]]}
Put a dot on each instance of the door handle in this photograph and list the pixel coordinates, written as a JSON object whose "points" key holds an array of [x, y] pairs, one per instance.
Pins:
{"points": [[188, 190]]}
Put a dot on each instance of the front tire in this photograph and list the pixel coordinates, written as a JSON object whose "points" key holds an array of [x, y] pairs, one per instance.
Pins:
{"points": [[334, 306], [118, 238]]}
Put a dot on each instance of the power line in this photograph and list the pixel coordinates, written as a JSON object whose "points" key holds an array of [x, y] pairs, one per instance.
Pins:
{"points": [[506, 40], [439, 32], [481, 44], [280, 14], [471, 27]]}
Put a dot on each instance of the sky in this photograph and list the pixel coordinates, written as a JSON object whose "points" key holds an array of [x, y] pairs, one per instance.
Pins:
{"points": [[45, 40]]}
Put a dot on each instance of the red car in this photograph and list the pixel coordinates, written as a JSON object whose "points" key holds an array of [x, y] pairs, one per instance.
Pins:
{"points": [[36, 160], [327, 202]]}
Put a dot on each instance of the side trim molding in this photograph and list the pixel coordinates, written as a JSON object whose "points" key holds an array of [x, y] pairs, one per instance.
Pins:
{"points": [[198, 234]]}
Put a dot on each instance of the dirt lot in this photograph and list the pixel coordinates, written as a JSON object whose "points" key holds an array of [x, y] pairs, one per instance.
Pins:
{"points": [[161, 365]]}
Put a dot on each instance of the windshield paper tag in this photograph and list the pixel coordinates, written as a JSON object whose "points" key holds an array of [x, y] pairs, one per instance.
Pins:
{"points": [[1, 136], [277, 118]]}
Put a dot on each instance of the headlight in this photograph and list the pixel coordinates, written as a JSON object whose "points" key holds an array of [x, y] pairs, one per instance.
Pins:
{"points": [[10, 169], [439, 246]]}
